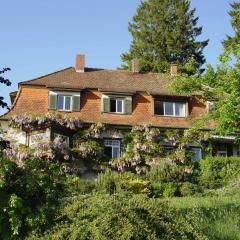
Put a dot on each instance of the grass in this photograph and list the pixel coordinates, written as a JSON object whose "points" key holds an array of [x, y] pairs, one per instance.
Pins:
{"points": [[218, 215]]}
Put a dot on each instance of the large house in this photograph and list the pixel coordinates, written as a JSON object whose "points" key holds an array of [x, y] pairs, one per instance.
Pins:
{"points": [[118, 98]]}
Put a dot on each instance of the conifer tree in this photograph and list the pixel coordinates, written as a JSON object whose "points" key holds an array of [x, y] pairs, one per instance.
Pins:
{"points": [[232, 42], [5, 81], [164, 32]]}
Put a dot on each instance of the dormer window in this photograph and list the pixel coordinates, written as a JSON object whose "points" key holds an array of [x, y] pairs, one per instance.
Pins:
{"points": [[116, 104], [64, 101], [170, 109]]}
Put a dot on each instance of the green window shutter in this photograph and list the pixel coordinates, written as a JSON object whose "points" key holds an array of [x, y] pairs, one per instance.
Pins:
{"points": [[105, 103], [128, 105], [52, 104], [76, 103]]}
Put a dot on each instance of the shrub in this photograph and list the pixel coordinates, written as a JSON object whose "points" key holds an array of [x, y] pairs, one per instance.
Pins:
{"points": [[120, 217], [217, 171], [29, 196], [171, 172], [188, 189], [113, 182], [163, 190], [75, 185]]}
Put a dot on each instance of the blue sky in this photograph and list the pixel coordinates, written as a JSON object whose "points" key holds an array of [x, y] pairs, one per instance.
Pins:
{"points": [[39, 37]]}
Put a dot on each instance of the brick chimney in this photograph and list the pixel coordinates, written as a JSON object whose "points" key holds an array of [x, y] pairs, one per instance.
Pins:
{"points": [[80, 63], [173, 69], [135, 66]]}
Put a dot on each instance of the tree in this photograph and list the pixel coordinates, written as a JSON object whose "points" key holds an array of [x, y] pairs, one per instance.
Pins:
{"points": [[233, 41], [222, 86], [164, 32], [5, 81]]}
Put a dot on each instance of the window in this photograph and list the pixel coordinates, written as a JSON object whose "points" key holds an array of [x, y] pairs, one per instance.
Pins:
{"points": [[197, 153], [112, 148], [36, 138], [174, 109], [62, 137], [64, 103], [116, 105]]}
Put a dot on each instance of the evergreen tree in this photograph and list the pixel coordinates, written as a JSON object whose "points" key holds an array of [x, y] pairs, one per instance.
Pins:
{"points": [[232, 42], [164, 31]]}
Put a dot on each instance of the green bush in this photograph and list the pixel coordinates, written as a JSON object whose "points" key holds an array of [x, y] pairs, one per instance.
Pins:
{"points": [[188, 189], [112, 182], [218, 171], [30, 196], [163, 190], [75, 185], [120, 217], [171, 172]]}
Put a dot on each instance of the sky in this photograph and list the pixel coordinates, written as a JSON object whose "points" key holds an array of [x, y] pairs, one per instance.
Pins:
{"points": [[40, 37]]}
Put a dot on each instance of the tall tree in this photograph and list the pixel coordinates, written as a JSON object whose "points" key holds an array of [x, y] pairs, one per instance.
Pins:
{"points": [[233, 41], [164, 31], [5, 81], [222, 85]]}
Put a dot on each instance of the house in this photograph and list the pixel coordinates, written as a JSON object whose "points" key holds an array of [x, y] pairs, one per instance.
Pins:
{"points": [[118, 98]]}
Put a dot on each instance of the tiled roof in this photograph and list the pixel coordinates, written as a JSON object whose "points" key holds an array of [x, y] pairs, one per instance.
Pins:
{"points": [[105, 80]]}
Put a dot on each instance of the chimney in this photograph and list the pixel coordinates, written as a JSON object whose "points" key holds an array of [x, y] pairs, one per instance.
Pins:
{"points": [[173, 69], [135, 66], [80, 63]]}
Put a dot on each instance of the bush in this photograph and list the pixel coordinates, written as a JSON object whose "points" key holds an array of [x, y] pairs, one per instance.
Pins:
{"points": [[29, 196], [171, 172], [120, 217], [113, 182], [75, 185], [218, 171], [163, 190], [188, 189]]}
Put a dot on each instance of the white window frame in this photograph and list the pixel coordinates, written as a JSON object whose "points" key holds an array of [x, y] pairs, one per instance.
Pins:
{"points": [[174, 109], [64, 101], [118, 100], [110, 143]]}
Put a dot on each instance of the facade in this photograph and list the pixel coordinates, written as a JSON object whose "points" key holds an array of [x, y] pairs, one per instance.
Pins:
{"points": [[118, 98]]}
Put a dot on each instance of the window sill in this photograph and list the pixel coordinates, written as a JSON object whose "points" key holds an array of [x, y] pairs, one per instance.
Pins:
{"points": [[113, 113], [167, 116]]}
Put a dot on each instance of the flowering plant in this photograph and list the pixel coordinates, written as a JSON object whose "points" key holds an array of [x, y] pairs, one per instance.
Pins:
{"points": [[27, 121], [142, 152]]}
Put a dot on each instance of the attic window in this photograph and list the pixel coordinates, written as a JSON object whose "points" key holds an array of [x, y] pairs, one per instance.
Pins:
{"points": [[116, 104], [172, 109], [64, 101]]}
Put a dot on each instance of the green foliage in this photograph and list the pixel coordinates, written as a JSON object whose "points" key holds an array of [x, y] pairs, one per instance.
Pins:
{"points": [[171, 172], [163, 190], [164, 32], [218, 171], [29, 196], [112, 182], [188, 189], [6, 82], [121, 217], [232, 42], [75, 185]]}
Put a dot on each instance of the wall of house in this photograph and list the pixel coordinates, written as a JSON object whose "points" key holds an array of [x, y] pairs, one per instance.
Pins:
{"points": [[35, 100]]}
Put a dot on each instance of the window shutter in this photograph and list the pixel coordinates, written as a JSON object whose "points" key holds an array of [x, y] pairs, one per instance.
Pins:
{"points": [[76, 103], [128, 105], [105, 103], [52, 104]]}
